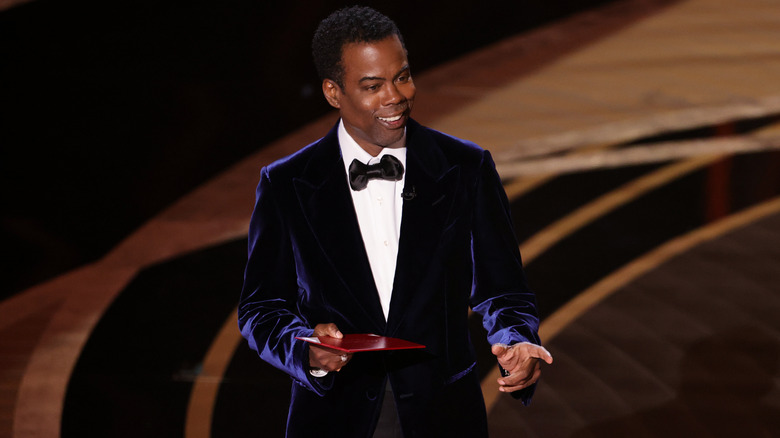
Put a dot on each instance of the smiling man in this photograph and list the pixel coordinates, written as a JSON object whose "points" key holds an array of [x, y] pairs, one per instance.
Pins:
{"points": [[374, 93], [385, 226]]}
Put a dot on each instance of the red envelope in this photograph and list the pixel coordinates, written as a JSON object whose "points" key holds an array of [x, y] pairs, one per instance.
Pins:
{"points": [[362, 342]]}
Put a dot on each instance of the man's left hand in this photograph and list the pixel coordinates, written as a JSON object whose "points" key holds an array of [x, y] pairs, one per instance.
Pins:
{"points": [[521, 361]]}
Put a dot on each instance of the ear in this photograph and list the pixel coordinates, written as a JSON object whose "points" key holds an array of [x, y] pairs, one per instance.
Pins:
{"points": [[332, 92]]}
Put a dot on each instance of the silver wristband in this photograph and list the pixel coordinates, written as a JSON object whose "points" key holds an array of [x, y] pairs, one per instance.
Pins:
{"points": [[317, 372]]}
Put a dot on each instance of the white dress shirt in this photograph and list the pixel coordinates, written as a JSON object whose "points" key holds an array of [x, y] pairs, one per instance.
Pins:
{"points": [[378, 208]]}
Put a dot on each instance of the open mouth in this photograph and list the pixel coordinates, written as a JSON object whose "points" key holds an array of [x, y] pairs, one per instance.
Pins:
{"points": [[391, 119]]}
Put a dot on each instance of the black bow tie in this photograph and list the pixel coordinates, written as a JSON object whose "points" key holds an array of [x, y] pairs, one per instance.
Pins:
{"points": [[389, 168]]}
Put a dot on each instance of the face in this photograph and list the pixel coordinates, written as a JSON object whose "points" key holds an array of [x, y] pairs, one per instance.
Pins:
{"points": [[377, 96]]}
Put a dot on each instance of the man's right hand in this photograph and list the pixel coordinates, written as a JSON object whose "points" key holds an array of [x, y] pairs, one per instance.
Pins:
{"points": [[327, 359]]}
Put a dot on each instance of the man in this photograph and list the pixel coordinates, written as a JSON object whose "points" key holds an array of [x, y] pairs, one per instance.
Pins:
{"points": [[332, 251]]}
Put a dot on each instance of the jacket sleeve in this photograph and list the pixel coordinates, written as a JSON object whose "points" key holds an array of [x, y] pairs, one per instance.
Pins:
{"points": [[267, 315], [500, 292]]}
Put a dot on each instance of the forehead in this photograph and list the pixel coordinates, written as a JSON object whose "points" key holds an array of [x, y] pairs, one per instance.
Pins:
{"points": [[374, 58]]}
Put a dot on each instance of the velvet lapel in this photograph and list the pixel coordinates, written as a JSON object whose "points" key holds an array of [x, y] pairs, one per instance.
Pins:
{"points": [[424, 217], [325, 200]]}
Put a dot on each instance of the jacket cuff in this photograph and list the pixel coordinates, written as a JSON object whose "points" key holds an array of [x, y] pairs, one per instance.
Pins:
{"points": [[318, 385], [525, 395]]}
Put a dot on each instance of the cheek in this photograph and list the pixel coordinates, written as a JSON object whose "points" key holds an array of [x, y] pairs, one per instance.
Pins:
{"points": [[368, 105], [410, 91], [361, 108]]}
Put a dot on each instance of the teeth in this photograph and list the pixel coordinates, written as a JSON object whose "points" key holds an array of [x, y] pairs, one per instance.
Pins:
{"points": [[390, 119]]}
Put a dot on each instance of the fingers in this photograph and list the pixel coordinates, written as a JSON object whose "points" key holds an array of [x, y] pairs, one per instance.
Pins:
{"points": [[344, 359], [327, 359], [516, 382], [539, 352]]}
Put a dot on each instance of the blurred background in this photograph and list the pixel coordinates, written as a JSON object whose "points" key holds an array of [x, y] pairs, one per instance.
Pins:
{"points": [[637, 140]]}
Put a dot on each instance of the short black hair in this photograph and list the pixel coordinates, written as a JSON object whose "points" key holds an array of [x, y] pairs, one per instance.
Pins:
{"points": [[355, 24]]}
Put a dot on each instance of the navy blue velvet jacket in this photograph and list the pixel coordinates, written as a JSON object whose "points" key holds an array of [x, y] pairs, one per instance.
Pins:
{"points": [[308, 265]]}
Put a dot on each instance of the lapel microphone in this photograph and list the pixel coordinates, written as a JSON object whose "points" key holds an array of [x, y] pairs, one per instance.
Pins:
{"points": [[408, 194]]}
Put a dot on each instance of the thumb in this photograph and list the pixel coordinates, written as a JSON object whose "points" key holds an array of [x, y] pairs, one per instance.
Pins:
{"points": [[333, 331], [499, 350], [327, 330]]}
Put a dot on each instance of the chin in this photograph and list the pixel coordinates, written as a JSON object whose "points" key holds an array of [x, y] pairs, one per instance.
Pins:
{"points": [[392, 141]]}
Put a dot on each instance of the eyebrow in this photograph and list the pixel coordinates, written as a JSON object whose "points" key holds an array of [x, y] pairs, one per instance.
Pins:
{"points": [[378, 78]]}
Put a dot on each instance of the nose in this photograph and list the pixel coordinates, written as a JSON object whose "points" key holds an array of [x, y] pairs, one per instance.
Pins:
{"points": [[393, 95]]}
